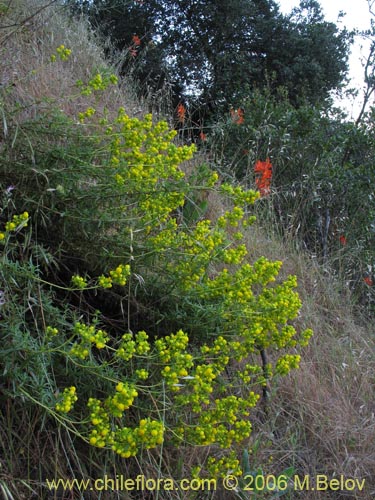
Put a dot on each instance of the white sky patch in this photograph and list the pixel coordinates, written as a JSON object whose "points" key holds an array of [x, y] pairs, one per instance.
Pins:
{"points": [[357, 16]]}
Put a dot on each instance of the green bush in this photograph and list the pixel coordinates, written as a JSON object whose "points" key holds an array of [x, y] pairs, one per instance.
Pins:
{"points": [[322, 178], [109, 226]]}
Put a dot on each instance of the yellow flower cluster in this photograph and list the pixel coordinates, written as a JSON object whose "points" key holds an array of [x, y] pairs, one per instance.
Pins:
{"points": [[105, 281], [88, 335], [286, 363], [142, 343], [234, 255], [248, 372], [305, 336], [126, 349], [220, 422], [150, 433], [79, 282], [142, 374], [17, 222], [200, 386], [224, 466], [130, 346], [120, 274], [98, 82], [172, 352], [51, 332], [146, 165], [124, 441], [238, 195], [69, 397], [117, 276], [86, 114], [193, 250], [122, 400], [241, 198], [80, 350], [62, 52], [99, 418], [231, 217]]}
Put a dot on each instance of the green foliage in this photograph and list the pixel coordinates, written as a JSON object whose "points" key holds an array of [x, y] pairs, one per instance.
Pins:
{"points": [[105, 199], [322, 178], [220, 52], [257, 482]]}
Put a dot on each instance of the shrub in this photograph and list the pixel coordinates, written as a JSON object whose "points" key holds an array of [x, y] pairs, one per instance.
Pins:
{"points": [[322, 179], [111, 223]]}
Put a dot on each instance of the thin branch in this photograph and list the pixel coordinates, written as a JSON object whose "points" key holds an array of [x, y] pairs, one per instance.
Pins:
{"points": [[4, 26], [369, 80], [265, 395], [21, 23]]}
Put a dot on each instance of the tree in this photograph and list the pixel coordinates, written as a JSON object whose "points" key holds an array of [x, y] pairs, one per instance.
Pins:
{"points": [[217, 52], [131, 28], [369, 64], [309, 56]]}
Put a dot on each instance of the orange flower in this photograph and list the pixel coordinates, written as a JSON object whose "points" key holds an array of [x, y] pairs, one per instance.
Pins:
{"points": [[203, 136], [263, 176], [240, 113], [368, 281], [136, 40], [238, 116], [342, 239], [181, 113]]}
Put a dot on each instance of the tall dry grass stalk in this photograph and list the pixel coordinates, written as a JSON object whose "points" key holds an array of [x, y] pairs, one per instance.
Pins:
{"points": [[30, 32]]}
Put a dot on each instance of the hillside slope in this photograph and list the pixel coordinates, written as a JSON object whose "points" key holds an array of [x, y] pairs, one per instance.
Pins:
{"points": [[320, 419]]}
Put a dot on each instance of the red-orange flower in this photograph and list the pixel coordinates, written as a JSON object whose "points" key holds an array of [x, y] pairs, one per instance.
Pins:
{"points": [[181, 113], [238, 116], [136, 40], [203, 136], [263, 176], [368, 281], [342, 239]]}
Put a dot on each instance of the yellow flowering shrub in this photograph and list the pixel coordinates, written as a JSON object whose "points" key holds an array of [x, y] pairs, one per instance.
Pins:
{"points": [[117, 200]]}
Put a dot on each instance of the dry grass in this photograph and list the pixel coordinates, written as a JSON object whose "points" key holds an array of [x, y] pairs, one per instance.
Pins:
{"points": [[322, 416], [324, 413], [33, 82]]}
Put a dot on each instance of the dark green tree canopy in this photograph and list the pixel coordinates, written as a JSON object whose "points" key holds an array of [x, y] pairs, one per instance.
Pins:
{"points": [[217, 52]]}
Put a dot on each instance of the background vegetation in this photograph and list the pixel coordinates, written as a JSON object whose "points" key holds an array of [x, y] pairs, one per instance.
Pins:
{"points": [[147, 324], [280, 72]]}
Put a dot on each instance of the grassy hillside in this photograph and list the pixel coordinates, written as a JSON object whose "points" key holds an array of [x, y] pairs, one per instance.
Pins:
{"points": [[91, 237]]}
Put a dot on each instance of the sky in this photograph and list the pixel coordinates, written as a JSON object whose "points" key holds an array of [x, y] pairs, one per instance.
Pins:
{"points": [[357, 15]]}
